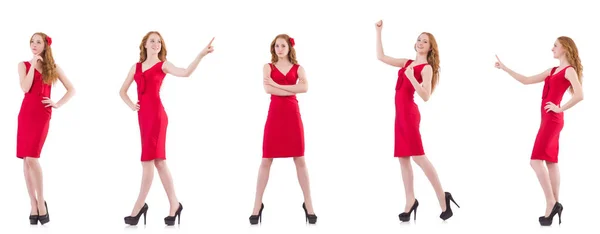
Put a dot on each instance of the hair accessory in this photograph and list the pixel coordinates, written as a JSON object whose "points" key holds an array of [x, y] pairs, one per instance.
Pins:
{"points": [[292, 42], [49, 40]]}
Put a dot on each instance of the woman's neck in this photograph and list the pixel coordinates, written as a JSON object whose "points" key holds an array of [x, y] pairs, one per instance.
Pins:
{"points": [[563, 61]]}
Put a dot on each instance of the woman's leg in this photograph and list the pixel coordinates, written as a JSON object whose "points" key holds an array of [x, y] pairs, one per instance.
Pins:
{"points": [[433, 178], [544, 178], [29, 181], [302, 173], [147, 177], [261, 183], [167, 181], [408, 180], [38, 182], [554, 174]]}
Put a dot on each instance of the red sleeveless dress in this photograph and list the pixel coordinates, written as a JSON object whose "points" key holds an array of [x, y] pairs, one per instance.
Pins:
{"points": [[284, 131], [34, 118], [546, 142], [152, 117], [407, 140]]}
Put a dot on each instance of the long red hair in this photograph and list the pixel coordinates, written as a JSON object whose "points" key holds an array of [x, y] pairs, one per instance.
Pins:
{"points": [[291, 54], [49, 73], [572, 55], [162, 55], [433, 59]]}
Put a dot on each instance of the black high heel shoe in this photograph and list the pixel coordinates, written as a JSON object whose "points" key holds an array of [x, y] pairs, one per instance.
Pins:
{"points": [[133, 220], [44, 218], [448, 213], [547, 221], [255, 219], [310, 218], [170, 220], [33, 219], [405, 217]]}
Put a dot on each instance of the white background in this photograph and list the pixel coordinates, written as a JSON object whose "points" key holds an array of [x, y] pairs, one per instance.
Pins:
{"points": [[478, 128]]}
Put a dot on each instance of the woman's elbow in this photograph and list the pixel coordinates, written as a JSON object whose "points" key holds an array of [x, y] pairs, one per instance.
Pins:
{"points": [[426, 97], [25, 89], [268, 89]]}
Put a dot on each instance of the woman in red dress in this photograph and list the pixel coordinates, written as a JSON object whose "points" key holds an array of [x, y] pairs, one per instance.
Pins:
{"points": [[36, 78], [283, 78], [544, 156], [420, 75], [149, 74]]}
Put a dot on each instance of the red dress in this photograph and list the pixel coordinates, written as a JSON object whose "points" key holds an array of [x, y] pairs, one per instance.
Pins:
{"points": [[546, 142], [151, 115], [34, 118], [284, 131], [407, 140]]}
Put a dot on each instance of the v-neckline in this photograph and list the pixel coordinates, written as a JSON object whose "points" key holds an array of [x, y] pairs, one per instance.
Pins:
{"points": [[142, 69], [411, 63], [34, 68], [288, 72], [559, 71]]}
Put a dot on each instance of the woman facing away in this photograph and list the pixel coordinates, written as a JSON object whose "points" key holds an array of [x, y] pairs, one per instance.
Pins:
{"points": [[36, 78], [283, 78], [544, 157], [420, 75], [149, 74]]}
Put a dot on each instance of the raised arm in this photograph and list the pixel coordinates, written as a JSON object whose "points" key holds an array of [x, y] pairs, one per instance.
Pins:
{"points": [[186, 72], [571, 75], [68, 86], [125, 88], [269, 88], [396, 62], [423, 89], [526, 80]]}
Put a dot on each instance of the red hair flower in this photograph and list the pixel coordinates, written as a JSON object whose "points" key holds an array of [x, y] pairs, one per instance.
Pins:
{"points": [[49, 40], [292, 42]]}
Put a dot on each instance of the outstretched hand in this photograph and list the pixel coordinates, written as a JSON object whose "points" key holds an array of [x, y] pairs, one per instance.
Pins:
{"points": [[208, 49], [499, 64]]}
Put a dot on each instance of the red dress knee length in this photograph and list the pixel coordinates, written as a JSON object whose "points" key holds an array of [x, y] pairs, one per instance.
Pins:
{"points": [[34, 117], [152, 117], [407, 140], [546, 142], [284, 131]]}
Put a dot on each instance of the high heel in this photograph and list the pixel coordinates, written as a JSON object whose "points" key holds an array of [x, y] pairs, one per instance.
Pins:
{"points": [[44, 218], [255, 219], [448, 213], [133, 220], [310, 218], [557, 209], [170, 220], [405, 217], [33, 219]]}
